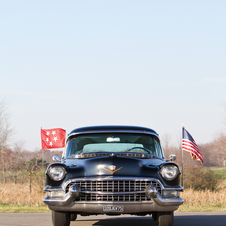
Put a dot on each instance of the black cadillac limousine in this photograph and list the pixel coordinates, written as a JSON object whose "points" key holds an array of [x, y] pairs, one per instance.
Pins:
{"points": [[113, 170]]}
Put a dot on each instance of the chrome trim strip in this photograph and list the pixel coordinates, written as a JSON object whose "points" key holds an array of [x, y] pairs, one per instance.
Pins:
{"points": [[112, 193], [65, 201], [50, 188], [117, 202]]}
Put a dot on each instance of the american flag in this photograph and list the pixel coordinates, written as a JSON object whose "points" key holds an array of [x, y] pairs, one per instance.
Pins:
{"points": [[188, 144]]}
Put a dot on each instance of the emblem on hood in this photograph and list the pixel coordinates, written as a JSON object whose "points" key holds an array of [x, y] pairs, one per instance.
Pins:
{"points": [[112, 169]]}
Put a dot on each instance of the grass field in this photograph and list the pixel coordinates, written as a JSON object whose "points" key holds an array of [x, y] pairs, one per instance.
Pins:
{"points": [[6, 208], [221, 172], [203, 201]]}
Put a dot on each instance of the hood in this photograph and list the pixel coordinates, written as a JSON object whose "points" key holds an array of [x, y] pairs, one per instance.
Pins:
{"points": [[113, 166]]}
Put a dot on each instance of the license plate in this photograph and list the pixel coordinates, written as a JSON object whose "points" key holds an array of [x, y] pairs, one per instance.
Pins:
{"points": [[113, 208]]}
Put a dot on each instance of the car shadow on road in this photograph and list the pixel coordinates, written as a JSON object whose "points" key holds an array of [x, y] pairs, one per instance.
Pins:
{"points": [[190, 220], [125, 221]]}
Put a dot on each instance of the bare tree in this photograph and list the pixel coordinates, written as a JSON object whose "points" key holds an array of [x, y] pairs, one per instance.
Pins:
{"points": [[224, 119], [5, 133], [220, 145], [18, 148], [166, 138]]}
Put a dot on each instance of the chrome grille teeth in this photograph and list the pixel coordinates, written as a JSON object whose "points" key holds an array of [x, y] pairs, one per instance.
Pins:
{"points": [[114, 186]]}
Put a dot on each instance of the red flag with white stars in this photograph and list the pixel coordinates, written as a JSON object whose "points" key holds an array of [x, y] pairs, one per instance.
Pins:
{"points": [[53, 138]]}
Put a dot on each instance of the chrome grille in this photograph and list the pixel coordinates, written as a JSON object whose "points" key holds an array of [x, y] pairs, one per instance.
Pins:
{"points": [[114, 186]]}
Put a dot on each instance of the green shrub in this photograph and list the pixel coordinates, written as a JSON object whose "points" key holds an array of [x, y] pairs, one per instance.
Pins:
{"points": [[199, 179]]}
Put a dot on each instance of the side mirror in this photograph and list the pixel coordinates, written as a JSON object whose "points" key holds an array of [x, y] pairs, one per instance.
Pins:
{"points": [[172, 157], [56, 158]]}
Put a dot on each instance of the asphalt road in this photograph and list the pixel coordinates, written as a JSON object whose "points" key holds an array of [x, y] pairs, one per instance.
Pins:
{"points": [[181, 219]]}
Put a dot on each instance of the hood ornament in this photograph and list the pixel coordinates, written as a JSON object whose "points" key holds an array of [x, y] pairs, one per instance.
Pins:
{"points": [[112, 169]]}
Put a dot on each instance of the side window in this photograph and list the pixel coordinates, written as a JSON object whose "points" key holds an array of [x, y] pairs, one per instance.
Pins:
{"points": [[158, 148]]}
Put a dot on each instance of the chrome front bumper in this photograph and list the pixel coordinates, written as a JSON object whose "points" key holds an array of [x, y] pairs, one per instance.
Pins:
{"points": [[68, 202]]}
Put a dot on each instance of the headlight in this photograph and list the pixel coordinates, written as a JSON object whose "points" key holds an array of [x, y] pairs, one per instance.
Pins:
{"points": [[56, 173], [169, 172]]}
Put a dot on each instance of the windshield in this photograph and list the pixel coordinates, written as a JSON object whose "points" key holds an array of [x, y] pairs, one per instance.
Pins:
{"points": [[116, 142]]}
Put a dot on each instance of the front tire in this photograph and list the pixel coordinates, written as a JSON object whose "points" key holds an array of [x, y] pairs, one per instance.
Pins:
{"points": [[154, 216], [165, 219], [60, 218], [73, 216]]}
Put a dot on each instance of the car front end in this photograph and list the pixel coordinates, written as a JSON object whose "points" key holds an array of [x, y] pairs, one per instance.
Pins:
{"points": [[113, 170]]}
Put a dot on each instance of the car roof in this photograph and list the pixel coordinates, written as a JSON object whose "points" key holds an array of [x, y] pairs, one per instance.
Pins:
{"points": [[113, 129]]}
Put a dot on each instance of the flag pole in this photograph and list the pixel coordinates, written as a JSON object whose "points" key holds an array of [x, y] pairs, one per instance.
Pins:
{"points": [[182, 182], [43, 173], [43, 170]]}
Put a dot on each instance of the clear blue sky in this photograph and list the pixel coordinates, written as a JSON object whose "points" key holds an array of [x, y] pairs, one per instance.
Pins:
{"points": [[150, 63]]}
